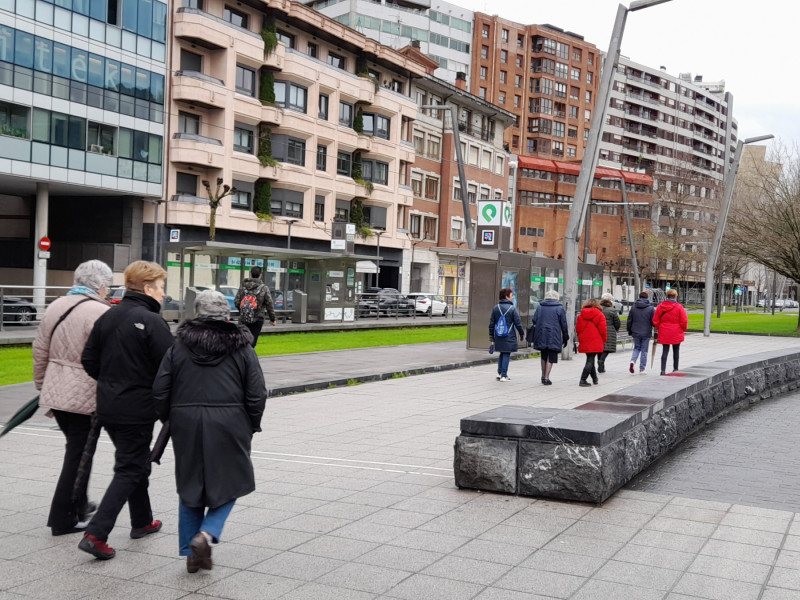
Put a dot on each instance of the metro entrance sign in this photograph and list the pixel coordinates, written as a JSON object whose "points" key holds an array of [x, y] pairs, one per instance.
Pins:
{"points": [[44, 244]]}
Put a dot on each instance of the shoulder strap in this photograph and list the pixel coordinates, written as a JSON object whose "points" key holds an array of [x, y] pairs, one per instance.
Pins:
{"points": [[510, 306], [66, 314]]}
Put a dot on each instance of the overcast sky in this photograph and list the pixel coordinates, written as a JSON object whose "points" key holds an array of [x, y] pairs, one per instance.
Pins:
{"points": [[751, 45]]}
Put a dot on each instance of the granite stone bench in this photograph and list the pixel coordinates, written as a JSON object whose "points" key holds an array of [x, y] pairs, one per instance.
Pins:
{"points": [[589, 452]]}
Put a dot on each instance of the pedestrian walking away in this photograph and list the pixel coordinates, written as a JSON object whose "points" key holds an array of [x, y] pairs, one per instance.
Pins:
{"points": [[612, 327], [253, 300], [592, 333], [671, 321], [552, 332], [640, 328], [123, 354], [504, 325], [67, 390], [211, 390]]}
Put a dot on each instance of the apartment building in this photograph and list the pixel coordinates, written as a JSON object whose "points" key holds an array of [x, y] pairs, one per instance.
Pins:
{"points": [[546, 191], [82, 132], [436, 217], [547, 77], [443, 30], [313, 130], [680, 131]]}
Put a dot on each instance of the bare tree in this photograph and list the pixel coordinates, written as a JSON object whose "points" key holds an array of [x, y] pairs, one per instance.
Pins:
{"points": [[214, 198], [765, 221]]}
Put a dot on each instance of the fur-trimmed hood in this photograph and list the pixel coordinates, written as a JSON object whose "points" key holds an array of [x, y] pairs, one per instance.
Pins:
{"points": [[209, 341]]}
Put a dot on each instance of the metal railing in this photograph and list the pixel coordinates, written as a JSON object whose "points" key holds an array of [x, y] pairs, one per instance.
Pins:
{"points": [[445, 306], [20, 305]]}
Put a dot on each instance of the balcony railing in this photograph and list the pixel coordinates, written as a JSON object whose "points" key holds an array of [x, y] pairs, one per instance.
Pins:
{"points": [[477, 132]]}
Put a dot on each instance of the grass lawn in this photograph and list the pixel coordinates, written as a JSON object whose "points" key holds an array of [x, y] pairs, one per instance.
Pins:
{"points": [[17, 361], [758, 322]]}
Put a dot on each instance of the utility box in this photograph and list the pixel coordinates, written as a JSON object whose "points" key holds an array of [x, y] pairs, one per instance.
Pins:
{"points": [[189, 296], [300, 305]]}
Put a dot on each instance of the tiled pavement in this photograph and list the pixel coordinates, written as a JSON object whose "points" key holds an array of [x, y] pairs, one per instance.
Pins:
{"points": [[356, 500]]}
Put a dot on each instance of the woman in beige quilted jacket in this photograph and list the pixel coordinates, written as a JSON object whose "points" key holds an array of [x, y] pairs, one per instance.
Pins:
{"points": [[65, 388]]}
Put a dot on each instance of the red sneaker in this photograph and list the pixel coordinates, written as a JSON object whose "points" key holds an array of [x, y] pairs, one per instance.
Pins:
{"points": [[97, 548], [140, 532]]}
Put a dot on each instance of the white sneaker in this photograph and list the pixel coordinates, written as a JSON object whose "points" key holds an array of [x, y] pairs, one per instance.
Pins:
{"points": [[498, 378], [642, 372], [505, 379]]}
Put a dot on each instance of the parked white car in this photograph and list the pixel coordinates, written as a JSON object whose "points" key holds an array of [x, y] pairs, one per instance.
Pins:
{"points": [[428, 304]]}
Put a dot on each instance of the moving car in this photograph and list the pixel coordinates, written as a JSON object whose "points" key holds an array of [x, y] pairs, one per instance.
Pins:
{"points": [[18, 310], [428, 304], [229, 291], [388, 301]]}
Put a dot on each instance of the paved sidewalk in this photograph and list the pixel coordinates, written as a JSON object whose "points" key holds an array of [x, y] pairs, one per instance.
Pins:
{"points": [[355, 500]]}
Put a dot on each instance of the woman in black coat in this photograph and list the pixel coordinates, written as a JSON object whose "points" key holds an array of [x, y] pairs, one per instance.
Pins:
{"points": [[507, 344], [551, 334], [211, 389]]}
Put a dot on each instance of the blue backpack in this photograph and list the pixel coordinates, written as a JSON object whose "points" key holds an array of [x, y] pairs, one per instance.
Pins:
{"points": [[501, 327]]}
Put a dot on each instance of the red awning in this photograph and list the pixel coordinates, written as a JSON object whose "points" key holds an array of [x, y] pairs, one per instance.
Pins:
{"points": [[637, 178], [606, 172], [568, 168], [540, 164]]}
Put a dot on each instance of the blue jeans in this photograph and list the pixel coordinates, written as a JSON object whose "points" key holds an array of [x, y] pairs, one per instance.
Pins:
{"points": [[192, 521], [640, 349], [502, 364]]}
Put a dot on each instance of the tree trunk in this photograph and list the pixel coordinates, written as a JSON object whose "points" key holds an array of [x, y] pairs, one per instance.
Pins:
{"points": [[212, 223]]}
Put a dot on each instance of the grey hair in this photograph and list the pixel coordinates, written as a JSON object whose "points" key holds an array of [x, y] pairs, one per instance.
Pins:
{"points": [[92, 274], [551, 295], [607, 296], [210, 304]]}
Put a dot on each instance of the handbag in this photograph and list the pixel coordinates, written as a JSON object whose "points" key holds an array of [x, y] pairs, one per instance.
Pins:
{"points": [[491, 348], [531, 331]]}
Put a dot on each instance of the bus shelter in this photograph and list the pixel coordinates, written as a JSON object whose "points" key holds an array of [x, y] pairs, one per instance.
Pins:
{"points": [[529, 276], [307, 286]]}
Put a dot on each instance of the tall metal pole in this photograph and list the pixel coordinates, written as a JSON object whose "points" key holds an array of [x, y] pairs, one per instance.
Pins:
{"points": [[583, 188], [378, 258], [716, 243], [634, 261]]}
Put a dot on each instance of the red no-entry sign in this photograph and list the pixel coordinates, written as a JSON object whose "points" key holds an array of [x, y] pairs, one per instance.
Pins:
{"points": [[44, 243]]}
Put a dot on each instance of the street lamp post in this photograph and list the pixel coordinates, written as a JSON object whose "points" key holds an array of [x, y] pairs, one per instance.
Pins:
{"points": [[378, 233], [634, 260], [289, 222], [583, 188], [716, 243]]}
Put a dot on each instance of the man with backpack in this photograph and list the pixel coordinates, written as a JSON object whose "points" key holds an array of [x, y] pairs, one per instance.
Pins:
{"points": [[252, 300], [502, 325]]}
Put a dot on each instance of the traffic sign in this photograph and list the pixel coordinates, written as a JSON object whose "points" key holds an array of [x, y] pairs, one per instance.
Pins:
{"points": [[44, 243]]}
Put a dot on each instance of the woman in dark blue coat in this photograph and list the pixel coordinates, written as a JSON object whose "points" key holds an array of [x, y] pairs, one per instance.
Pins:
{"points": [[551, 334], [507, 344]]}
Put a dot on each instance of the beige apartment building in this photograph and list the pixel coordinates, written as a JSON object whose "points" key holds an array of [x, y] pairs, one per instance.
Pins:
{"points": [[307, 119]]}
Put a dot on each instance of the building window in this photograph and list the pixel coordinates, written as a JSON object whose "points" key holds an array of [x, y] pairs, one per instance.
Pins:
{"points": [[345, 114], [520, 41], [14, 119], [232, 16], [589, 77], [430, 225], [324, 102], [419, 142], [485, 31], [289, 150], [575, 74], [322, 158], [503, 76], [100, 138], [434, 147], [337, 61], [245, 81], [484, 72], [505, 35], [416, 185], [291, 96], [432, 188], [484, 52], [188, 123], [472, 193], [375, 171], [456, 230], [562, 71], [241, 199], [319, 209], [185, 184], [482, 93], [573, 112], [558, 148], [191, 62], [504, 56], [517, 102], [588, 97], [501, 98], [243, 139], [576, 54], [344, 163], [563, 51], [571, 151], [312, 50], [574, 93], [587, 115], [558, 129], [518, 81], [376, 125], [287, 203], [286, 38], [519, 61], [414, 224], [499, 165]]}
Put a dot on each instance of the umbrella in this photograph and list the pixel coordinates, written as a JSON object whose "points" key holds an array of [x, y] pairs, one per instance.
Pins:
{"points": [[653, 352], [85, 466], [161, 444], [22, 415]]}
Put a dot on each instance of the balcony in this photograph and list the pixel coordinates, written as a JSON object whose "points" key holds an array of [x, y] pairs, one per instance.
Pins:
{"points": [[641, 131], [643, 98], [477, 132], [199, 89], [270, 172], [197, 27], [193, 149], [643, 80]]}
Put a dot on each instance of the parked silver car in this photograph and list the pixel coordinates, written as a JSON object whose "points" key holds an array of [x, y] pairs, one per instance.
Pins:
{"points": [[428, 304]]}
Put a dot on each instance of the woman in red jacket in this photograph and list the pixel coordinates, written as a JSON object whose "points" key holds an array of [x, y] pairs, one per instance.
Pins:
{"points": [[671, 321], [592, 334]]}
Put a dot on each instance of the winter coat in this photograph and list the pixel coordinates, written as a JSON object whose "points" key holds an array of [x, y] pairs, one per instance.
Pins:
{"points": [[592, 330], [640, 319], [123, 353], [508, 343], [57, 369], [612, 327], [671, 321], [552, 331], [257, 288], [211, 389]]}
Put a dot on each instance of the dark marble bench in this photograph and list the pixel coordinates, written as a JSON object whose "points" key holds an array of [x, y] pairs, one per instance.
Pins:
{"points": [[589, 452]]}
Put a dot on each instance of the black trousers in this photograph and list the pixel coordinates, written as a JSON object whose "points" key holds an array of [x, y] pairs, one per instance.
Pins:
{"points": [[676, 356], [64, 513], [589, 368], [130, 482], [255, 329]]}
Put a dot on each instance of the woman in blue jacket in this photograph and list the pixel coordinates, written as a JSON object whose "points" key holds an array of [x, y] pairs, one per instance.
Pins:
{"points": [[551, 333], [506, 344]]}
